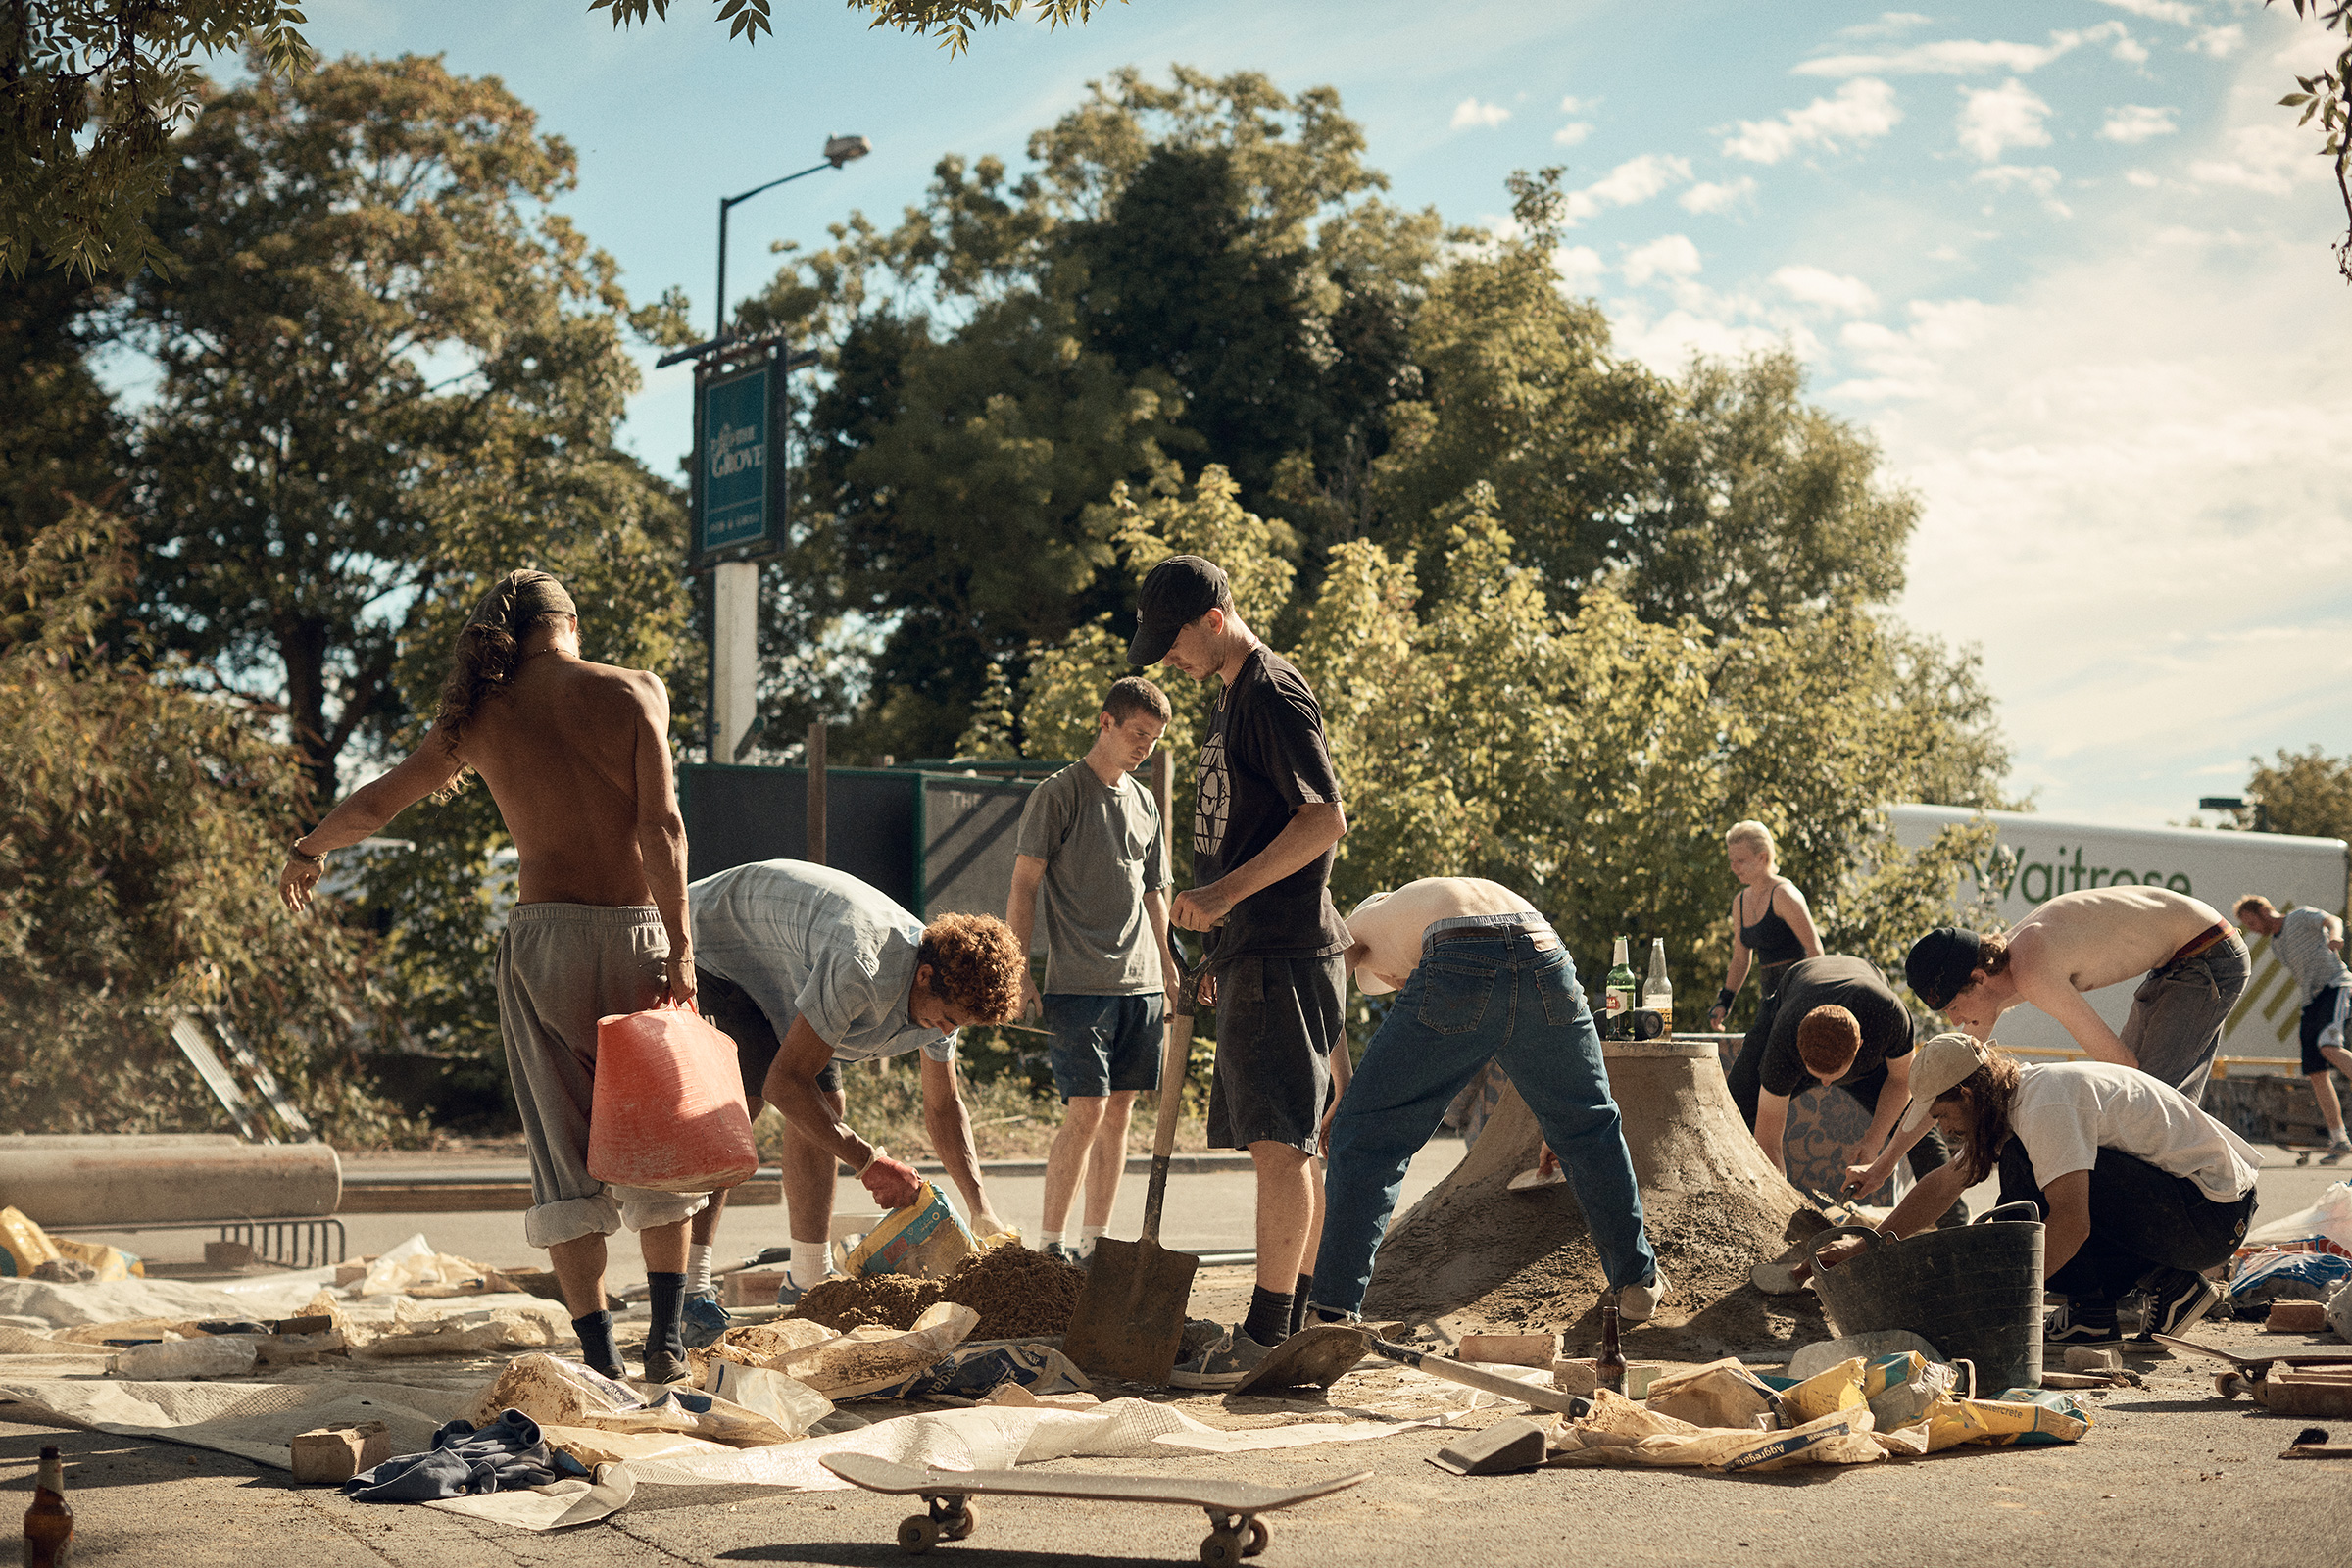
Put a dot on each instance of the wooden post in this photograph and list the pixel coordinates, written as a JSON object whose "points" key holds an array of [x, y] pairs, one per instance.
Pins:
{"points": [[817, 793]]}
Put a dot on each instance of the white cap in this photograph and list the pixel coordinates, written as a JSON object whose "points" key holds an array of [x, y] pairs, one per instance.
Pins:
{"points": [[1370, 984], [1940, 1065]]}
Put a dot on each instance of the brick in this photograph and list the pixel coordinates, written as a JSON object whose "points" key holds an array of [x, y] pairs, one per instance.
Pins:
{"points": [[333, 1455]]}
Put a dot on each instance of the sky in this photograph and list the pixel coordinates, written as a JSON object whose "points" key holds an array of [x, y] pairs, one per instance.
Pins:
{"points": [[2066, 260]]}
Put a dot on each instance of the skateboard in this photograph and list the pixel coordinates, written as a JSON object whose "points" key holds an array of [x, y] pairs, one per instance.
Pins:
{"points": [[2246, 1372], [2315, 1153], [1235, 1531]]}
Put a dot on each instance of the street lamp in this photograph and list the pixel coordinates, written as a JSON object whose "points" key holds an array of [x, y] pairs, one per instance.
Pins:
{"points": [[839, 150]]}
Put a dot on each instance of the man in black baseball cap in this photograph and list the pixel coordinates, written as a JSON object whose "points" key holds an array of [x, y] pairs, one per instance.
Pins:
{"points": [[1179, 591], [1941, 964]]}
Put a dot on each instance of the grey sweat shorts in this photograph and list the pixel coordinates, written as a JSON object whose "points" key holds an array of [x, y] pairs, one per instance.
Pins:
{"points": [[560, 968], [1278, 1021], [2175, 1026]]}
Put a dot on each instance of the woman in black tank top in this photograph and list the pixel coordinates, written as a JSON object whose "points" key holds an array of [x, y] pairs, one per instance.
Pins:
{"points": [[1770, 921]]}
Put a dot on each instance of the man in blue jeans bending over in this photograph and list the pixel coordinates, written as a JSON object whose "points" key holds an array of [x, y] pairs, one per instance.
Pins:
{"points": [[1479, 975]]}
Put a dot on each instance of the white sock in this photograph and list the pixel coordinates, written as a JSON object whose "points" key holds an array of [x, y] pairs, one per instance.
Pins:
{"points": [[1048, 1237], [698, 1268], [1088, 1235], [809, 1262]]}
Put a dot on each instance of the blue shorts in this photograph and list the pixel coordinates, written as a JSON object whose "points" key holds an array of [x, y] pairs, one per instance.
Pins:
{"points": [[2324, 1014], [1104, 1045]]}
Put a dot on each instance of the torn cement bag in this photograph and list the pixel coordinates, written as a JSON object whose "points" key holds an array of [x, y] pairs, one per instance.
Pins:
{"points": [[2021, 1417], [975, 1374], [24, 1244], [1720, 1393], [558, 1393], [863, 1363], [1902, 1389], [527, 1324], [790, 1404], [2339, 1311], [925, 1240], [1619, 1431], [1834, 1389], [414, 1265]]}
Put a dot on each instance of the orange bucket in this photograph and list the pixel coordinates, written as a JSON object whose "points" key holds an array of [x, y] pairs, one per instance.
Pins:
{"points": [[669, 1111]]}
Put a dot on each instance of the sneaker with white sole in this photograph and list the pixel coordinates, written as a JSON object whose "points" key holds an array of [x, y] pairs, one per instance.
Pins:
{"points": [[703, 1321], [2178, 1302], [2081, 1323], [1636, 1304], [1226, 1363]]}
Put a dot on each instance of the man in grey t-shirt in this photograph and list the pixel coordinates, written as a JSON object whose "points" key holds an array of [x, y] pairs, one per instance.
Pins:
{"points": [[1091, 842], [2311, 944]]}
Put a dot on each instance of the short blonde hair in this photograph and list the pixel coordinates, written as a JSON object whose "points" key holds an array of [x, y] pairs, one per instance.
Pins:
{"points": [[1755, 834]]}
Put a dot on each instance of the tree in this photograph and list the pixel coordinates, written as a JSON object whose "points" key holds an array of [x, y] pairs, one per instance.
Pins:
{"points": [[2306, 792], [60, 440], [140, 826], [384, 364], [2328, 96], [90, 89]]}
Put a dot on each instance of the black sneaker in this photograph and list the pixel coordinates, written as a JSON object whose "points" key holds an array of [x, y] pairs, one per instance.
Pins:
{"points": [[662, 1367], [2081, 1323], [2178, 1302]]}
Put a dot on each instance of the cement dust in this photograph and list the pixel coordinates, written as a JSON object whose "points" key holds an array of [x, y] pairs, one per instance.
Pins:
{"points": [[1019, 1295]]}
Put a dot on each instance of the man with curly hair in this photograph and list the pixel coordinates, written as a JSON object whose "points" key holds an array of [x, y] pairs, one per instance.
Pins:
{"points": [[805, 967]]}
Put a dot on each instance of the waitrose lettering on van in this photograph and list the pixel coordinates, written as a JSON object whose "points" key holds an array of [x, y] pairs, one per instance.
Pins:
{"points": [[2031, 876]]}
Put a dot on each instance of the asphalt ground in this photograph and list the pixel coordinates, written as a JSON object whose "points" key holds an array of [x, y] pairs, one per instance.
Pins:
{"points": [[2169, 1474]]}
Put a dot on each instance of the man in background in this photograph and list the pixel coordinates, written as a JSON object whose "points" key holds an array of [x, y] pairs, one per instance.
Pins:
{"points": [[2311, 944]]}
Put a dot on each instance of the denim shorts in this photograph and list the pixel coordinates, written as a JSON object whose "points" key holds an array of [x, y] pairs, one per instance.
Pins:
{"points": [[758, 1037], [1104, 1045]]}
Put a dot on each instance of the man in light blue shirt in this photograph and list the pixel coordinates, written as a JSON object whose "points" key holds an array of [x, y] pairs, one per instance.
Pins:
{"points": [[805, 967]]}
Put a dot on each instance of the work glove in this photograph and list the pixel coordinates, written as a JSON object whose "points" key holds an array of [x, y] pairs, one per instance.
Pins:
{"points": [[893, 1182]]}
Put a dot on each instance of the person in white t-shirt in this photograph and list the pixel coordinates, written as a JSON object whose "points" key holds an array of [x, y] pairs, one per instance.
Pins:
{"points": [[2137, 1184]]}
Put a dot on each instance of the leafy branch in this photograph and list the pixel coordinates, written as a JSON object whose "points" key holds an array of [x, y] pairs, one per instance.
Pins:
{"points": [[952, 20], [2327, 95]]}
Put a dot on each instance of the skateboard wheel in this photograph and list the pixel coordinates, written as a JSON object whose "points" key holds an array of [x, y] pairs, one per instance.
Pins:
{"points": [[960, 1526], [918, 1533], [1224, 1548], [1257, 1539]]}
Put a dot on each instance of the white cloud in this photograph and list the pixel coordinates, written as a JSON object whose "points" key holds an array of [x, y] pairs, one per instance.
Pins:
{"points": [[1709, 196], [1888, 24], [2267, 158], [1470, 111], [1578, 267], [2219, 42], [2177, 12], [1859, 112], [1993, 120], [2040, 179], [1573, 104], [1629, 184], [1818, 285], [2132, 124], [2129, 50], [1963, 57], [1573, 131], [2143, 179], [1668, 256]]}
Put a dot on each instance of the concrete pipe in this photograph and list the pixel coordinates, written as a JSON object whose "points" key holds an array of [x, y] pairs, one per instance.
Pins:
{"points": [[94, 1183]]}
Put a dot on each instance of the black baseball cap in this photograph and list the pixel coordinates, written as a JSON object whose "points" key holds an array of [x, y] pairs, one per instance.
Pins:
{"points": [[1179, 591], [1941, 964]]}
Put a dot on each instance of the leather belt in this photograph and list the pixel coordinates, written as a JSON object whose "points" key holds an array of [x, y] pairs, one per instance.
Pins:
{"points": [[2212, 936]]}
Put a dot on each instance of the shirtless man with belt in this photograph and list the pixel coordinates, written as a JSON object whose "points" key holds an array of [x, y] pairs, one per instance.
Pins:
{"points": [[576, 756], [2194, 961]]}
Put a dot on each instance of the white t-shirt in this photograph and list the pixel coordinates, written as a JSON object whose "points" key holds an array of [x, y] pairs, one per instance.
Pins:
{"points": [[2066, 1113]]}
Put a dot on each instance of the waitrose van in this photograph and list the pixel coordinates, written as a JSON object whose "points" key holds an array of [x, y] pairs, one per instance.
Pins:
{"points": [[2038, 858]]}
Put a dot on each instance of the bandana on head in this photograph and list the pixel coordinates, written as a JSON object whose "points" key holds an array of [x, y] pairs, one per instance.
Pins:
{"points": [[520, 598]]}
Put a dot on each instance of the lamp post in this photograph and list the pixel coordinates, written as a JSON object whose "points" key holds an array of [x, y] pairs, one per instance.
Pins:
{"points": [[839, 150]]}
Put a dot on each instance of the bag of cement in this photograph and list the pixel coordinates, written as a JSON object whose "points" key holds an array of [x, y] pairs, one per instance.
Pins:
{"points": [[868, 1361], [1901, 1389], [1721, 1393], [110, 1263], [2340, 1312], [414, 1265], [1618, 1432], [418, 1330], [23, 1246], [790, 1404], [977, 1374], [178, 1360], [1839, 1387], [926, 1240], [554, 1392], [2020, 1417]]}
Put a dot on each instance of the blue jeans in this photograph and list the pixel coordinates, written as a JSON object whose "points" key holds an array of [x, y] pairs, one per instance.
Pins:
{"points": [[1496, 985]]}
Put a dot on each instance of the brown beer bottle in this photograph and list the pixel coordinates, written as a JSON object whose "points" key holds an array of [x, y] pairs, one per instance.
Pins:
{"points": [[1610, 1363], [49, 1522]]}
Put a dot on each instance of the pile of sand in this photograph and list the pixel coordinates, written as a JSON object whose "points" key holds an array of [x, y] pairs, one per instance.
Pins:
{"points": [[1474, 1255], [1018, 1294]]}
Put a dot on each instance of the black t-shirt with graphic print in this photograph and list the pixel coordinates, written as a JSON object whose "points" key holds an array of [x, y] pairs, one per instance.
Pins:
{"points": [[1265, 756]]}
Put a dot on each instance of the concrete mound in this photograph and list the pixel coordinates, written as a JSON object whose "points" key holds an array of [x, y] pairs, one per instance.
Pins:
{"points": [[1473, 1256]]}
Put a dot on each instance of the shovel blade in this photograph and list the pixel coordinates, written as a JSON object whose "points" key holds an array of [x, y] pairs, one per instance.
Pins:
{"points": [[1129, 1321]]}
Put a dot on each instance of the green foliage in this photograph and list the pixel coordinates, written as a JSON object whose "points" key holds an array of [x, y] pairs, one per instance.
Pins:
{"points": [[142, 827], [953, 20], [61, 439], [2328, 96], [2305, 791]]}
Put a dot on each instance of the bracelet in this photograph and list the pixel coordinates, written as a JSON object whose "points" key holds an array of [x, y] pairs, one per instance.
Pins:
{"points": [[295, 852], [1722, 997]]}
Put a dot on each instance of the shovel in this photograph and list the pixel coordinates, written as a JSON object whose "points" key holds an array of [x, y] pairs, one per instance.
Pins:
{"points": [[1129, 1321]]}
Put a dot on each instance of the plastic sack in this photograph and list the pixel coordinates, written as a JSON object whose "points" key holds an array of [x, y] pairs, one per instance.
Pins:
{"points": [[1720, 1393], [925, 1240], [178, 1360], [2271, 1275], [2331, 1217], [669, 1110], [23, 1246]]}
